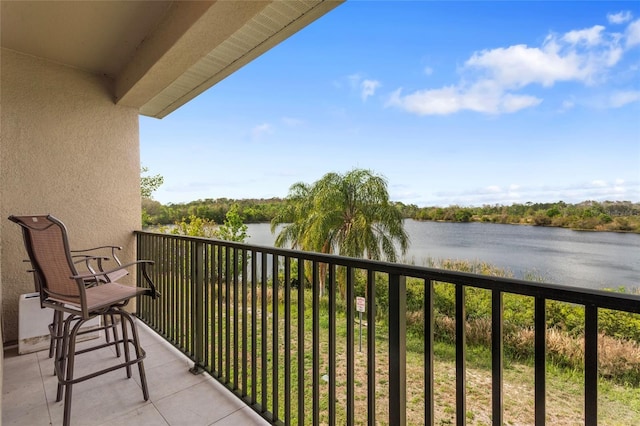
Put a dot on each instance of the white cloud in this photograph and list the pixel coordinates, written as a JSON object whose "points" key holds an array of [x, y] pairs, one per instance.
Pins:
{"points": [[619, 187], [292, 122], [354, 80], [577, 56], [567, 105], [632, 34], [261, 129], [513, 103], [449, 100], [428, 70], [599, 190], [364, 86], [427, 102], [620, 99], [620, 17], [589, 36], [368, 88], [492, 79]]}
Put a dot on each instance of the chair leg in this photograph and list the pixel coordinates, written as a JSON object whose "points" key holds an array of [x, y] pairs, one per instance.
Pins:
{"points": [[66, 352], [139, 352], [107, 326], [125, 340], [69, 373], [62, 353], [55, 331], [114, 328]]}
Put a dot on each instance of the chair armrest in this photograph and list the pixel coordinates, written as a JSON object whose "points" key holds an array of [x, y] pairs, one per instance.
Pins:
{"points": [[114, 250], [97, 248], [143, 263], [85, 258], [94, 262]]}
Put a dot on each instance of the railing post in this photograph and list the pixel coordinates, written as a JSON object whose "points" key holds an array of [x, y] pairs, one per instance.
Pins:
{"points": [[591, 366], [371, 347], [428, 353], [540, 360], [397, 350], [461, 355], [197, 331], [350, 411], [497, 356]]}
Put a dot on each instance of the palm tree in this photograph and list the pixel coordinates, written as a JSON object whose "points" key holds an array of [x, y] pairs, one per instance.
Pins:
{"points": [[348, 214]]}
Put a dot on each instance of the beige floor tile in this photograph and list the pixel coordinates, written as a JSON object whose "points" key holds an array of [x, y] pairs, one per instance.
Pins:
{"points": [[159, 353], [245, 416], [170, 378], [25, 405], [97, 401], [34, 416], [19, 370], [202, 404], [176, 396], [147, 415], [84, 364]]}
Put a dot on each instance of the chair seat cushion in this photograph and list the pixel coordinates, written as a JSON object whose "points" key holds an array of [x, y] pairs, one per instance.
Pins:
{"points": [[115, 276], [108, 294]]}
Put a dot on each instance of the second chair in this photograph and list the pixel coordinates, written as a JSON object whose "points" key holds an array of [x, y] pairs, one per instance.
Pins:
{"points": [[63, 289]]}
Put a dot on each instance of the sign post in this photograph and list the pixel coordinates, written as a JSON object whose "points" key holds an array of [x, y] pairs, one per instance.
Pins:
{"points": [[360, 306]]}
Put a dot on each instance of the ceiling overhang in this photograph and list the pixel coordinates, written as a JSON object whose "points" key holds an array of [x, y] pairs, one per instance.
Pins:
{"points": [[159, 54]]}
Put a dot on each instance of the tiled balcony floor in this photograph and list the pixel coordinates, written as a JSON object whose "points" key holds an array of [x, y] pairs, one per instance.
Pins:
{"points": [[177, 397]]}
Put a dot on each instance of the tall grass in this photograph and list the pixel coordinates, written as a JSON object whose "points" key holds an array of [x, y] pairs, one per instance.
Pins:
{"points": [[619, 332], [619, 350]]}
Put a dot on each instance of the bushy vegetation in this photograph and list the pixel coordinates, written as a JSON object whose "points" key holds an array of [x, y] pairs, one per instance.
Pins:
{"points": [[232, 228], [251, 210], [621, 216], [619, 340], [588, 215], [619, 332]]}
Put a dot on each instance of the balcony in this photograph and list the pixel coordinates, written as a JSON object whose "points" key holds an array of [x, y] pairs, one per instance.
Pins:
{"points": [[256, 319], [178, 397], [267, 343]]}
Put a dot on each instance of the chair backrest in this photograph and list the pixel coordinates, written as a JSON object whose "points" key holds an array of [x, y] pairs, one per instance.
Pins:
{"points": [[45, 239]]}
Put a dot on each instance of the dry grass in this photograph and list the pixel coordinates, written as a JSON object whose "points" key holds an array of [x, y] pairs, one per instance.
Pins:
{"points": [[564, 390], [564, 394], [619, 405], [619, 359]]}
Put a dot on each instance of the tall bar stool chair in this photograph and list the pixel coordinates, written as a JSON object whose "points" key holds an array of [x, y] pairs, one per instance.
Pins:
{"points": [[94, 260], [63, 289]]}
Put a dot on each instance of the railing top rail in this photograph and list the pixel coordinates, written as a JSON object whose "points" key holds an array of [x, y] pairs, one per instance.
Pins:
{"points": [[578, 295]]}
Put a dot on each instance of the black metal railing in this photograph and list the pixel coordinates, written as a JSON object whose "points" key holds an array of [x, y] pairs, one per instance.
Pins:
{"points": [[258, 320]]}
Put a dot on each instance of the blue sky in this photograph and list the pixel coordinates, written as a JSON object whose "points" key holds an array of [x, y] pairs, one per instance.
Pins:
{"points": [[465, 103]]}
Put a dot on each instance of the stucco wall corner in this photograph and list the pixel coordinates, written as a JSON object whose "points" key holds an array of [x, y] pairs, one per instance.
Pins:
{"points": [[67, 150]]}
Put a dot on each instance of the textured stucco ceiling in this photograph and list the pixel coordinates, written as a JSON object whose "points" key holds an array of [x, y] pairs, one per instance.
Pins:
{"points": [[159, 54]]}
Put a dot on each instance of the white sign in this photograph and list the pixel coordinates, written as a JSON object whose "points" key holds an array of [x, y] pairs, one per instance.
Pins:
{"points": [[360, 304]]}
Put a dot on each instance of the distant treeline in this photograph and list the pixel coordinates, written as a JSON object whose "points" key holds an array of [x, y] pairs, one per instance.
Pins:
{"points": [[620, 216]]}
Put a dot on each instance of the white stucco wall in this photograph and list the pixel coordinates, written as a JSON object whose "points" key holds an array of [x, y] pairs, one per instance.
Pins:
{"points": [[67, 150]]}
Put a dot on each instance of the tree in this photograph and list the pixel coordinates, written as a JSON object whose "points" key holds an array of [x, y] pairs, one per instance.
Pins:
{"points": [[148, 184], [348, 214], [195, 227], [233, 228]]}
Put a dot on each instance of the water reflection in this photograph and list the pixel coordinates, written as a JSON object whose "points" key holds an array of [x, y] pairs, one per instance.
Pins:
{"points": [[562, 256]]}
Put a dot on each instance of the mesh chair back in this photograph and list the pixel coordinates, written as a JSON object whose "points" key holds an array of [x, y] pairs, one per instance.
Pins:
{"points": [[47, 245]]}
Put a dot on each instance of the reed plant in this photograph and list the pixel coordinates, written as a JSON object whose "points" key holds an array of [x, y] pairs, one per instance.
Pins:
{"points": [[619, 332]]}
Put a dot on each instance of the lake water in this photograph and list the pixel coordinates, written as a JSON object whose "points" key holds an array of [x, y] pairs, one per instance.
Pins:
{"points": [[560, 256]]}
